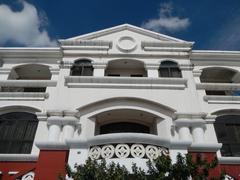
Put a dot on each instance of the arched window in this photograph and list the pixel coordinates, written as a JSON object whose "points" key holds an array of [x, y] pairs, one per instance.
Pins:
{"points": [[169, 69], [124, 127], [82, 68], [227, 128], [17, 132]]}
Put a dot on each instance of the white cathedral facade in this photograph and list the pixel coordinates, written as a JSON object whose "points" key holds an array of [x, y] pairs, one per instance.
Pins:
{"points": [[124, 94]]}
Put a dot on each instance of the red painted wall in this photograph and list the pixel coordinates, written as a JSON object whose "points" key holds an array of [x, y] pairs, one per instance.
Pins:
{"points": [[51, 164], [22, 167], [230, 169]]}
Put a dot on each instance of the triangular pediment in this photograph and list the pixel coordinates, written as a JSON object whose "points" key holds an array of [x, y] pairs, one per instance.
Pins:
{"points": [[112, 33]]}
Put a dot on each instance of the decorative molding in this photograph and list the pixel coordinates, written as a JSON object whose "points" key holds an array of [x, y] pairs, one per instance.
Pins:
{"points": [[205, 147], [55, 112], [170, 46], [186, 67], [214, 99], [210, 119], [193, 115], [229, 160], [197, 73], [218, 86], [152, 66], [190, 123], [28, 176], [123, 151], [23, 96], [50, 145], [125, 82], [5, 70], [42, 116], [92, 45], [206, 55], [71, 42], [119, 138], [54, 71], [176, 144], [129, 27], [18, 157], [99, 65], [28, 83], [126, 44], [28, 52]]}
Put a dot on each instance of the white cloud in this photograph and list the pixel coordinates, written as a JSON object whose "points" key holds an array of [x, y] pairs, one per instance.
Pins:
{"points": [[166, 21], [23, 27]]}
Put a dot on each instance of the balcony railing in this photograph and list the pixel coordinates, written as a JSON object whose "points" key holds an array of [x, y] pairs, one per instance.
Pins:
{"points": [[124, 150], [221, 92], [25, 89], [125, 82]]}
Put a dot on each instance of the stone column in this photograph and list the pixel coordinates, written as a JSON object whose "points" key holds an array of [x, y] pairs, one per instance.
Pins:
{"points": [[198, 134], [152, 70], [69, 124], [55, 125], [184, 133], [99, 69]]}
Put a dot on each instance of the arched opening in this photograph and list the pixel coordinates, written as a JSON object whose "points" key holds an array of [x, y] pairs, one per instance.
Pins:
{"points": [[17, 132], [82, 67], [126, 68], [169, 69], [28, 72], [220, 75], [227, 128], [125, 121]]}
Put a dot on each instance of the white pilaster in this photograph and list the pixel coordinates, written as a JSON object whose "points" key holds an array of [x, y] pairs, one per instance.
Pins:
{"points": [[99, 69], [152, 70]]}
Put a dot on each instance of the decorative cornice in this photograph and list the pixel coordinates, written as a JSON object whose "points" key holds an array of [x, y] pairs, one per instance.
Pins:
{"points": [[167, 46], [30, 52], [125, 82], [129, 27], [214, 55], [193, 115]]}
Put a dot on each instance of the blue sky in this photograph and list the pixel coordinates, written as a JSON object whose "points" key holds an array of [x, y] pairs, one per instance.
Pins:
{"points": [[212, 24]]}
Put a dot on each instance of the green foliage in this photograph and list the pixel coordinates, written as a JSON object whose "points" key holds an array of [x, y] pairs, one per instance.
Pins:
{"points": [[161, 168]]}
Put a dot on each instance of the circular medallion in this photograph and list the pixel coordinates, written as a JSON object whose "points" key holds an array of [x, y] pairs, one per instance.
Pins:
{"points": [[95, 152], [107, 151], [122, 150], [137, 150], [126, 44]]}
